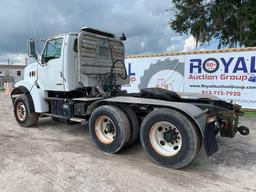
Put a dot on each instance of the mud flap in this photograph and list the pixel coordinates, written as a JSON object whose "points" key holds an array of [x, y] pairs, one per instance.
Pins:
{"points": [[210, 143]]}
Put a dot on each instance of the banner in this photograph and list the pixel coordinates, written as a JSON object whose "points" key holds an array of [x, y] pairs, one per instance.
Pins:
{"points": [[230, 76], [163, 72]]}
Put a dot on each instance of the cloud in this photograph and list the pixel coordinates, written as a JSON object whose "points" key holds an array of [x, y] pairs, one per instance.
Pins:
{"points": [[14, 58], [145, 24], [190, 44]]}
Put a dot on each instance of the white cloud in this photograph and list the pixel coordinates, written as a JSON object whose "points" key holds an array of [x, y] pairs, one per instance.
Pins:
{"points": [[143, 43], [190, 44], [16, 59], [146, 24], [172, 48], [176, 38]]}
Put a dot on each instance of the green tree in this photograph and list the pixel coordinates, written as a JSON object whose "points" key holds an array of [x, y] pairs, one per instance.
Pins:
{"points": [[232, 22]]}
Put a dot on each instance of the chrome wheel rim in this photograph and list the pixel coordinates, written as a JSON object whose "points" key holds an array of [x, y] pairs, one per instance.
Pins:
{"points": [[165, 138], [21, 111], [105, 129]]}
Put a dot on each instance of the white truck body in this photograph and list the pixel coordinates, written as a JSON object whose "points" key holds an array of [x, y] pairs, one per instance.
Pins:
{"points": [[79, 78]]}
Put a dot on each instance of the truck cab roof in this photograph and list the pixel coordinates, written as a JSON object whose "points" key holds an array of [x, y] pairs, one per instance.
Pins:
{"points": [[86, 29]]}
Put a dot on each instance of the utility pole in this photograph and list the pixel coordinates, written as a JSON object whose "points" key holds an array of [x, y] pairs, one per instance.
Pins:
{"points": [[7, 71]]}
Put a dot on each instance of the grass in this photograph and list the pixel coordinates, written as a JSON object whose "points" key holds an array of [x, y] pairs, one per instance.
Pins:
{"points": [[250, 114]]}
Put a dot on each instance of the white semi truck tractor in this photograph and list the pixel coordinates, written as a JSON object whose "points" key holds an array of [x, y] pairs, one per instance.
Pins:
{"points": [[78, 77]]}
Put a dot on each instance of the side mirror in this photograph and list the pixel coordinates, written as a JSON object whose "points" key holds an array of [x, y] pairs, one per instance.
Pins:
{"points": [[32, 49]]}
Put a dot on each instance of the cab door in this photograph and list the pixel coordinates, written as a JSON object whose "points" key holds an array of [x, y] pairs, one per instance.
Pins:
{"points": [[50, 73]]}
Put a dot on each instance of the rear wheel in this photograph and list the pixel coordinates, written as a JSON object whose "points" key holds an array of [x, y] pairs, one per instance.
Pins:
{"points": [[22, 112], [133, 121], [109, 128], [169, 138]]}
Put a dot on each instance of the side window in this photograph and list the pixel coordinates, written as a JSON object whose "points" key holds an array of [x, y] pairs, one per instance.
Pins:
{"points": [[18, 73], [52, 50]]}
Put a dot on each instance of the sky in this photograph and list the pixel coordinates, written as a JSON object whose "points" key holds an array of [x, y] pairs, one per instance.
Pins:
{"points": [[145, 24]]}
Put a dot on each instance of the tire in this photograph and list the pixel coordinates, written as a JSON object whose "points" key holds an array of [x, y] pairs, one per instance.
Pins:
{"points": [[118, 134], [175, 149], [133, 121], [23, 114]]}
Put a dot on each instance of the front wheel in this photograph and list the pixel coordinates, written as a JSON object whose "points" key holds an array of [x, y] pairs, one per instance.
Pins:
{"points": [[169, 138], [23, 114]]}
